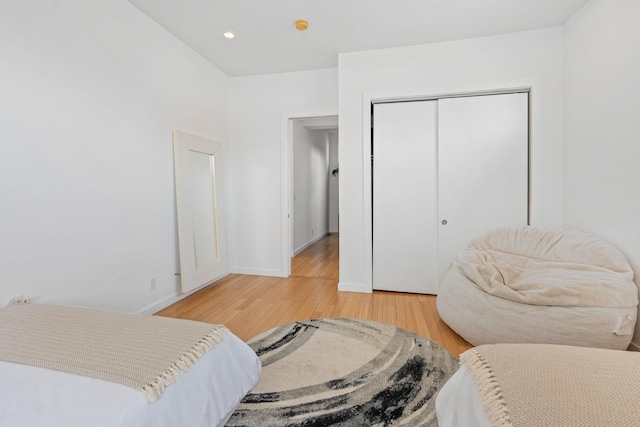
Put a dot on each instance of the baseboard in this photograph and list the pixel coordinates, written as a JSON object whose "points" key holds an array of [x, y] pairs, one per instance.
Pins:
{"points": [[354, 287], [152, 309], [257, 272], [305, 246], [634, 347]]}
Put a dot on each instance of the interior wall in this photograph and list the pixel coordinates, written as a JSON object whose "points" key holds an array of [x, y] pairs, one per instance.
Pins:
{"points": [[532, 58], [90, 94], [602, 101], [310, 185], [334, 181], [259, 106]]}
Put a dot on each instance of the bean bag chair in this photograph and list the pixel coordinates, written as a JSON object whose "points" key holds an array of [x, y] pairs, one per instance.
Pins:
{"points": [[540, 285]]}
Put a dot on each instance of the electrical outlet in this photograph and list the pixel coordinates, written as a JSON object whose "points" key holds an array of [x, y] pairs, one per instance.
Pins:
{"points": [[20, 299], [152, 284]]}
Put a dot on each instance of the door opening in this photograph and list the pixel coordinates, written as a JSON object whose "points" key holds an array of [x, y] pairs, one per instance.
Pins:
{"points": [[314, 183]]}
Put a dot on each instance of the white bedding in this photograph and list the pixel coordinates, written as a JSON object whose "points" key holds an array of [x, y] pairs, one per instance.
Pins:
{"points": [[458, 403], [204, 396]]}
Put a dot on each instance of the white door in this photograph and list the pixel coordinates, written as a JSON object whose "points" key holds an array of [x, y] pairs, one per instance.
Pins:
{"points": [[404, 194], [444, 172], [482, 168]]}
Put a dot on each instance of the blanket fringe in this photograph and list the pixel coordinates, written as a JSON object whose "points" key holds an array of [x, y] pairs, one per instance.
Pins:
{"points": [[488, 387], [154, 389]]}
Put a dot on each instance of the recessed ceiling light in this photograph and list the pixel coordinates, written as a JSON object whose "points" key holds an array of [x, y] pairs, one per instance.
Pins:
{"points": [[301, 25], [229, 34]]}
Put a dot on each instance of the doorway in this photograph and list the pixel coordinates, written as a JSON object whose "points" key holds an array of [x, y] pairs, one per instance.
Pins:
{"points": [[314, 182], [320, 260]]}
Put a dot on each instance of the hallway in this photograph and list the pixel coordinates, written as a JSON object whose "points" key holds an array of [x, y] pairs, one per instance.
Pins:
{"points": [[320, 260]]}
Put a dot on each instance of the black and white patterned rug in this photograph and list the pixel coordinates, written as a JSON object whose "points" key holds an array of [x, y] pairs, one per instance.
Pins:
{"points": [[344, 372]]}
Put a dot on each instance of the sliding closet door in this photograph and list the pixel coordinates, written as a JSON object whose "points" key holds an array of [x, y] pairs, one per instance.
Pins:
{"points": [[404, 195], [482, 168]]}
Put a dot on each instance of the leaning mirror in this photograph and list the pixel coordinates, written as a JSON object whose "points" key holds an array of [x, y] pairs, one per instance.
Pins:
{"points": [[200, 201]]}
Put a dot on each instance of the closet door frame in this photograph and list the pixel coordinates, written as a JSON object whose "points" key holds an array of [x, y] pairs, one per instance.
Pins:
{"points": [[533, 87]]}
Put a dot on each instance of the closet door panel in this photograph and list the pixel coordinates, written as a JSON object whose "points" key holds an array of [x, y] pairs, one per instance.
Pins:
{"points": [[482, 167], [404, 194]]}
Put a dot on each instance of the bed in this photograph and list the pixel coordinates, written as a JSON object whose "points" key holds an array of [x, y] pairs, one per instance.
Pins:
{"points": [[203, 394], [542, 385]]}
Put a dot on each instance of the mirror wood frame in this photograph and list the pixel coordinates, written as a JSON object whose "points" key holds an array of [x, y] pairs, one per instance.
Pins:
{"points": [[193, 275]]}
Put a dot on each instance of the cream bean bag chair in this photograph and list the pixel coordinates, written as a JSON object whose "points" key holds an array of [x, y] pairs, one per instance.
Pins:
{"points": [[540, 285]]}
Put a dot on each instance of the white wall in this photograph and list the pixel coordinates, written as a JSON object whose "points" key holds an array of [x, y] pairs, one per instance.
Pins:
{"points": [[90, 92], [532, 58], [602, 126], [334, 180], [260, 109], [310, 185]]}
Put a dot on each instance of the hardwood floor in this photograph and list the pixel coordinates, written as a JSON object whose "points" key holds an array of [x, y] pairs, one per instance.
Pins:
{"points": [[318, 260], [248, 305]]}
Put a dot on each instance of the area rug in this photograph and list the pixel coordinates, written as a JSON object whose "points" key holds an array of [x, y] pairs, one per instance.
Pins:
{"points": [[344, 372]]}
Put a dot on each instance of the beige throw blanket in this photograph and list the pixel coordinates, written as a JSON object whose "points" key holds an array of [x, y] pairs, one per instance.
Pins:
{"points": [[144, 352], [550, 385]]}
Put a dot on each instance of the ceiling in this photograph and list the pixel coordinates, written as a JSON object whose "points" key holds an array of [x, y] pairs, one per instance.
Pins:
{"points": [[267, 42]]}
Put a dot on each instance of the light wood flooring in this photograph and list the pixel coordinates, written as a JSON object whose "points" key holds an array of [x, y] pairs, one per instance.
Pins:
{"points": [[248, 305]]}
